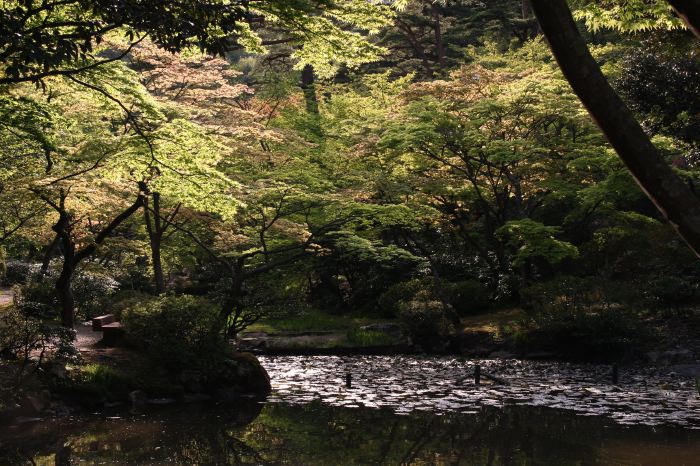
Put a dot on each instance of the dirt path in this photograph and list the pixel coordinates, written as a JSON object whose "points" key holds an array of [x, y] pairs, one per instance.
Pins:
{"points": [[6, 296], [93, 352]]}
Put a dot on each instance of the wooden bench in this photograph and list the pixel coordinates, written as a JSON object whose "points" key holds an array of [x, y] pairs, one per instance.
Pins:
{"points": [[101, 321], [112, 331], [112, 334]]}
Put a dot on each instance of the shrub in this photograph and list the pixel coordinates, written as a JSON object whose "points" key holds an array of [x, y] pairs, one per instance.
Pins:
{"points": [[33, 342], [582, 318], [92, 292], [18, 272], [672, 291], [429, 323], [178, 332], [125, 299], [466, 297], [581, 293], [603, 336], [389, 303], [360, 337]]}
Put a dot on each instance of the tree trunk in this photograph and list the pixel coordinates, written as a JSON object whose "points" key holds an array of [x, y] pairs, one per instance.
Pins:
{"points": [[231, 307], [48, 255], [663, 186], [309, 88], [155, 230], [689, 11], [526, 7], [63, 284], [439, 45], [65, 295]]}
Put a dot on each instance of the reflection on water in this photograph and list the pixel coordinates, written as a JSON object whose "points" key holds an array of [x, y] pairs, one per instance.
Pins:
{"points": [[318, 434], [400, 410], [645, 396]]}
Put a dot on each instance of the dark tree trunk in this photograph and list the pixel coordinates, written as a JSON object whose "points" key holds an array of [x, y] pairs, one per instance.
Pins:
{"points": [[63, 284], [231, 308], [155, 228], [526, 7], [665, 188], [439, 45], [73, 257], [65, 295], [48, 255], [689, 11], [308, 86]]}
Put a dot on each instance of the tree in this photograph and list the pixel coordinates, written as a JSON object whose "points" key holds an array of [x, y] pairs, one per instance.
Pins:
{"points": [[672, 196]]}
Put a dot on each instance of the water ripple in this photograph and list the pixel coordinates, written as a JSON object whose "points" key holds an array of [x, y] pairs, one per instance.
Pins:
{"points": [[444, 385]]}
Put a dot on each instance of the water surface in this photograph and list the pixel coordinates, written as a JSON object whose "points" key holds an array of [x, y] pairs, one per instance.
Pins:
{"points": [[399, 411]]}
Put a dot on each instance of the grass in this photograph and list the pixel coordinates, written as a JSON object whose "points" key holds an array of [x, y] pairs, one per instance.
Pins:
{"points": [[359, 337], [314, 321], [492, 322]]}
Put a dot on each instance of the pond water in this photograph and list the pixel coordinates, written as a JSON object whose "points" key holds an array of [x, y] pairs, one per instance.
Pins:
{"points": [[400, 410]]}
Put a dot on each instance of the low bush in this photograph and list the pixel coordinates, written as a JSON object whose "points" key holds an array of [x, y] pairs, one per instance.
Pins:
{"points": [[467, 297], [33, 342], [359, 337], [429, 323], [19, 272], [583, 319], [605, 336], [582, 293], [125, 299], [178, 332], [672, 291], [389, 303], [92, 292]]}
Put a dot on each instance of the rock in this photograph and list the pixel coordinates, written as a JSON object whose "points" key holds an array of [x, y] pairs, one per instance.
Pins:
{"points": [[161, 401], [113, 404], [59, 372], [676, 356], [386, 327], [686, 370], [227, 395], [24, 419], [192, 380], [540, 355], [61, 410], [245, 375], [653, 356], [35, 403], [138, 399], [195, 397]]}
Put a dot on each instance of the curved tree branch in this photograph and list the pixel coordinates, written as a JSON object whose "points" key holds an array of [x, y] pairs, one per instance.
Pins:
{"points": [[671, 195]]}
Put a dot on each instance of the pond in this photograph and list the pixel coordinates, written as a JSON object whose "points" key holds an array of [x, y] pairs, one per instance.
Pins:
{"points": [[400, 410]]}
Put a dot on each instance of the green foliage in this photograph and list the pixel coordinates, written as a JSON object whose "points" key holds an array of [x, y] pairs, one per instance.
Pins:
{"points": [[359, 337], [31, 340], [531, 239], [583, 318], [390, 302], [428, 323], [672, 291], [101, 381], [466, 297], [604, 336], [627, 15], [125, 299], [178, 332], [92, 292]]}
